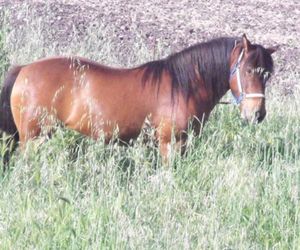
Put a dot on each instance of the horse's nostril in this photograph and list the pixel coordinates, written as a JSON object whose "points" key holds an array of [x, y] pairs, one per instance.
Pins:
{"points": [[259, 116]]}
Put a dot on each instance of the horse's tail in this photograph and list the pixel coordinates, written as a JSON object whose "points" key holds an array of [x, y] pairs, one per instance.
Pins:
{"points": [[7, 123]]}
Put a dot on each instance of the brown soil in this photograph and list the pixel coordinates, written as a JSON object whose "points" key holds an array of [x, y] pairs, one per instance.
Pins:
{"points": [[174, 23]]}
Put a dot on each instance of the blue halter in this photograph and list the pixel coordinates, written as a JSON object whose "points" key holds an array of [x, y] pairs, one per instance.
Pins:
{"points": [[242, 95]]}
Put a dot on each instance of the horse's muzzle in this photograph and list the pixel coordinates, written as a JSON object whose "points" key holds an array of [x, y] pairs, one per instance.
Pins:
{"points": [[254, 117]]}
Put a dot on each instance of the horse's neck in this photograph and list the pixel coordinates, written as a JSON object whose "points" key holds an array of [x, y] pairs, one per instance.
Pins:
{"points": [[205, 103], [209, 95], [223, 89]]}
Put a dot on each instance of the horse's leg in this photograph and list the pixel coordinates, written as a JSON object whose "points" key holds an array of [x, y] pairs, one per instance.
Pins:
{"points": [[11, 144], [166, 148], [170, 141], [28, 129]]}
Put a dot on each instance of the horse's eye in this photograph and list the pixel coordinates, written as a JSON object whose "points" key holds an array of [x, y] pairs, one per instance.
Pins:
{"points": [[249, 71]]}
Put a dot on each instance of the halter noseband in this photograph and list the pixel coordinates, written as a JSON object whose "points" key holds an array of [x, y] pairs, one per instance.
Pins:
{"points": [[242, 95]]}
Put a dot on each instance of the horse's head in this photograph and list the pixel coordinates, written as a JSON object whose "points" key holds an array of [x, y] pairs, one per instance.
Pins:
{"points": [[251, 66]]}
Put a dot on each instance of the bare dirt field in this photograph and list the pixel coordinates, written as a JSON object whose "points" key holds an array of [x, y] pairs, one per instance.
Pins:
{"points": [[175, 24]]}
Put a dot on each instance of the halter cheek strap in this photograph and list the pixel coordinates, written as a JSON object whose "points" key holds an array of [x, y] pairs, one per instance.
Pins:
{"points": [[242, 95]]}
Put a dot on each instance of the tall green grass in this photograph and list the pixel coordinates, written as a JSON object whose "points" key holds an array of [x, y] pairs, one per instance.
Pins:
{"points": [[4, 61], [237, 187]]}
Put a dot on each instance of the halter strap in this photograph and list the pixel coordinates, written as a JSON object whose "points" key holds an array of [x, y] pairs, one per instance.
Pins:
{"points": [[242, 95]]}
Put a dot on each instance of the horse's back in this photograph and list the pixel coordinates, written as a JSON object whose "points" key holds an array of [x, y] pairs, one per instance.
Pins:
{"points": [[53, 79]]}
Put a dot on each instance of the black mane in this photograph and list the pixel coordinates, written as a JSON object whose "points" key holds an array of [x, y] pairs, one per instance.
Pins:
{"points": [[210, 59]]}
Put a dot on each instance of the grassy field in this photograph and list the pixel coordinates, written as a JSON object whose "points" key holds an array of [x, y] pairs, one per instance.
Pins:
{"points": [[237, 188]]}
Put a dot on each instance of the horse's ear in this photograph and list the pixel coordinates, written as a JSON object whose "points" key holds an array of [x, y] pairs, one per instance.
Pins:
{"points": [[246, 43], [272, 49]]}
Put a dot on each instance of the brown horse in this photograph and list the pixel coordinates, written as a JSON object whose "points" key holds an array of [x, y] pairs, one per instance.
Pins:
{"points": [[94, 99]]}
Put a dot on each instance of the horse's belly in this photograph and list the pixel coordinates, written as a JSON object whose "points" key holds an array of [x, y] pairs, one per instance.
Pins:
{"points": [[100, 119], [105, 128]]}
